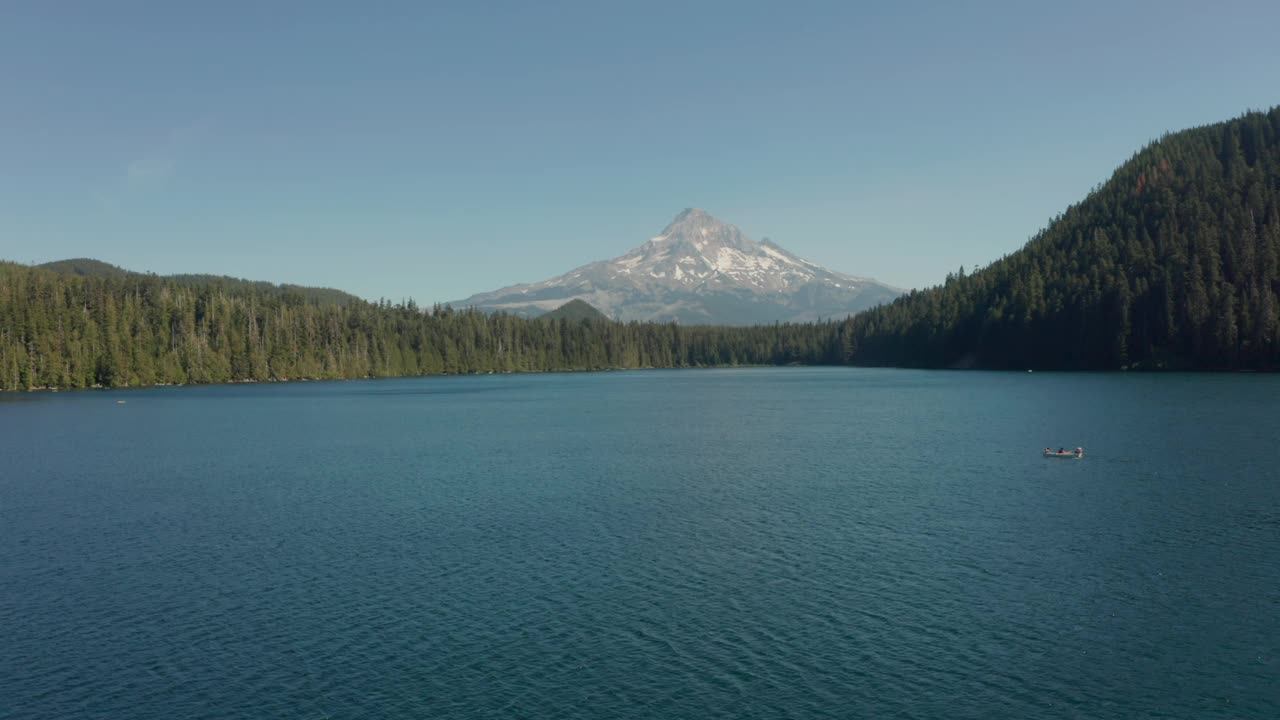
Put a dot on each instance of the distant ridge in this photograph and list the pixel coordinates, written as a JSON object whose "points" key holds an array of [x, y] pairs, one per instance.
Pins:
{"points": [[575, 310], [84, 267], [89, 267]]}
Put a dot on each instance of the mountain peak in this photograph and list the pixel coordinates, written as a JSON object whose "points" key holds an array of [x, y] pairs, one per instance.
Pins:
{"points": [[699, 270], [692, 218], [691, 213], [697, 230]]}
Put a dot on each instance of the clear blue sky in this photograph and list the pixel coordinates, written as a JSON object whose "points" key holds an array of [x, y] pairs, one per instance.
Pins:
{"points": [[433, 150]]}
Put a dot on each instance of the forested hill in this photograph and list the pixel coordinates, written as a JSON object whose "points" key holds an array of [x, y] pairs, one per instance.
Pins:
{"points": [[72, 331], [88, 267], [1171, 264], [575, 310], [84, 267]]}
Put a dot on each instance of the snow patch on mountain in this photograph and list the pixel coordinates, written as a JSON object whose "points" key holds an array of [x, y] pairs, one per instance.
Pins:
{"points": [[699, 270]]}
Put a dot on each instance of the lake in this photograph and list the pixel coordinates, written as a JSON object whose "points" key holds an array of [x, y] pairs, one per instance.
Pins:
{"points": [[745, 543]]}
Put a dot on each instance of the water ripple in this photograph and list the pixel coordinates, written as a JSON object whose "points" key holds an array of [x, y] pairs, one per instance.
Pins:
{"points": [[765, 544]]}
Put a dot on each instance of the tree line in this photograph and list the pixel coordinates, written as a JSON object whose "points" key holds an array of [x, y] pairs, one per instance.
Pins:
{"points": [[69, 331]]}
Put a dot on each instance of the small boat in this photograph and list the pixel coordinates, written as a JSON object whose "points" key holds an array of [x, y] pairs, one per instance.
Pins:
{"points": [[1078, 453]]}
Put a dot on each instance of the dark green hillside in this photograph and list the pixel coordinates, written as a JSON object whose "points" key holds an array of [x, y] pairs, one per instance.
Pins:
{"points": [[321, 295], [88, 267], [575, 310], [1172, 263], [85, 267]]}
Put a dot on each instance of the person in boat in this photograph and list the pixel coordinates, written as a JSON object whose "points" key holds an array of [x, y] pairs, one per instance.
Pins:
{"points": [[1061, 450]]}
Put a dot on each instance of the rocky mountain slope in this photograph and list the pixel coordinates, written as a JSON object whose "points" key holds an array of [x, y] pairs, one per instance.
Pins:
{"points": [[698, 270]]}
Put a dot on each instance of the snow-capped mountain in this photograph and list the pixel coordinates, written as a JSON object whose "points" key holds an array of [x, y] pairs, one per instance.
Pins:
{"points": [[698, 271]]}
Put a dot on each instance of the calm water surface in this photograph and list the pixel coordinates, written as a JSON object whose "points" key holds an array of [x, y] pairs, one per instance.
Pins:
{"points": [[782, 543]]}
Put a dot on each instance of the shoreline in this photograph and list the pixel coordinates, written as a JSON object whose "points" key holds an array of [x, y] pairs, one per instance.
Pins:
{"points": [[290, 381], [281, 381]]}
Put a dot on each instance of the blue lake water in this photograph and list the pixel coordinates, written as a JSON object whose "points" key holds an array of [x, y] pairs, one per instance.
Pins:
{"points": [[753, 543]]}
